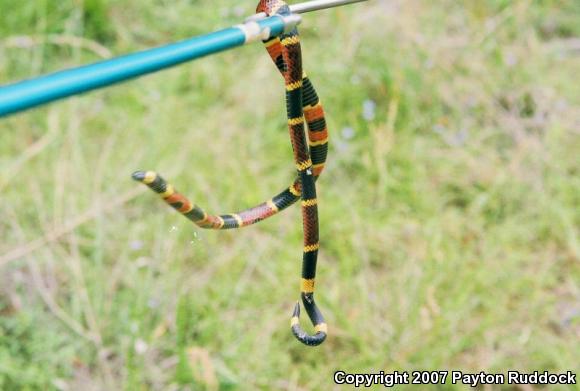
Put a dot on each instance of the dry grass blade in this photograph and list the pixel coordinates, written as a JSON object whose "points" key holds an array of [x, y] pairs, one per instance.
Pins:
{"points": [[28, 41], [84, 218]]}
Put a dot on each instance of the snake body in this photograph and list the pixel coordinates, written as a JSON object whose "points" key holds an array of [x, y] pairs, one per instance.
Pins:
{"points": [[302, 105]]}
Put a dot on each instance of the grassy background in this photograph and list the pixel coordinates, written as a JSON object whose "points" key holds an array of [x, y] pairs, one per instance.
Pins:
{"points": [[449, 207]]}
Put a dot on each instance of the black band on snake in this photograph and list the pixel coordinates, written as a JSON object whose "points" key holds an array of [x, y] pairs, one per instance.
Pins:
{"points": [[302, 104]]}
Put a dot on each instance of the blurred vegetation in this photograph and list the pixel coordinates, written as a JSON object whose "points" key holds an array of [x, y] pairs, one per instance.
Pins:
{"points": [[449, 208]]}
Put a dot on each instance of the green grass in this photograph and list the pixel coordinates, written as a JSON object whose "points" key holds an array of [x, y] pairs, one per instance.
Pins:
{"points": [[449, 221]]}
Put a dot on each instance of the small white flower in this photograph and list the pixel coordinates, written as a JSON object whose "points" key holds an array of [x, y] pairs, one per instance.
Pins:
{"points": [[369, 107], [347, 132], [152, 303], [136, 245], [141, 346]]}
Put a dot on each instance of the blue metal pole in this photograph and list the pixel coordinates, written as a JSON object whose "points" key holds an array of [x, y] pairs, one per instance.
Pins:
{"points": [[34, 92]]}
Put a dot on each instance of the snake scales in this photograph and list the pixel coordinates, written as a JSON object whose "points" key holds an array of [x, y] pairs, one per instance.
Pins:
{"points": [[302, 105]]}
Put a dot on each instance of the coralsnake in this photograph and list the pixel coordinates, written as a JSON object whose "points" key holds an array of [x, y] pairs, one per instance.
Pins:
{"points": [[302, 105]]}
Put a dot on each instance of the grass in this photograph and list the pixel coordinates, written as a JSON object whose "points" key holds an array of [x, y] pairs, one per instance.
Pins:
{"points": [[449, 207]]}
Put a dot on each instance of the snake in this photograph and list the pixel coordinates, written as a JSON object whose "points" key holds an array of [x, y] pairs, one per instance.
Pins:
{"points": [[303, 106]]}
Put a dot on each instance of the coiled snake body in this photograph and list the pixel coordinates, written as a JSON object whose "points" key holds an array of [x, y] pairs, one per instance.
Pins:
{"points": [[302, 105]]}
